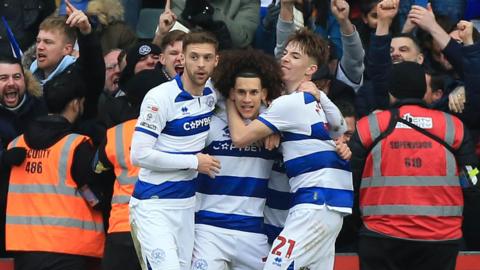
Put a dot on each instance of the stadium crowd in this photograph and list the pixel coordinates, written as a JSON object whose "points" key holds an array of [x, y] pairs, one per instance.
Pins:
{"points": [[241, 134]]}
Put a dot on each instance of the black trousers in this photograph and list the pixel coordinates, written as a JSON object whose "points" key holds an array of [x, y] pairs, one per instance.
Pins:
{"points": [[120, 252], [377, 253], [51, 261]]}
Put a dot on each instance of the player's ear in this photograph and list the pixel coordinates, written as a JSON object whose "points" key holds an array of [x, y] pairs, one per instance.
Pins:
{"points": [[231, 96], [264, 94], [162, 59], [216, 60], [311, 69]]}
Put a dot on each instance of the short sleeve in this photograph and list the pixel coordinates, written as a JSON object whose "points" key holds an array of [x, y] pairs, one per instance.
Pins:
{"points": [[153, 116], [279, 116]]}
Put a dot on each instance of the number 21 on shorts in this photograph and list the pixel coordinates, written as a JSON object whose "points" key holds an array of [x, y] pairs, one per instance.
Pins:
{"points": [[291, 244]]}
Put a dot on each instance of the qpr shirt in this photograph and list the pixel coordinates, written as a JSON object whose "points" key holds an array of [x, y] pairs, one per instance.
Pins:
{"points": [[318, 176], [235, 199], [172, 127]]}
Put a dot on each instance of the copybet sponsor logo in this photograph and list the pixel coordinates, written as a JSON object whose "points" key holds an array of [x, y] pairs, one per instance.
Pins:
{"points": [[423, 122], [197, 123], [227, 145], [200, 264]]}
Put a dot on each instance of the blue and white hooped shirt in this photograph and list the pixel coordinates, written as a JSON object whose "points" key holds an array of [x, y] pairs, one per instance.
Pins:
{"points": [[180, 124], [235, 199], [318, 176]]}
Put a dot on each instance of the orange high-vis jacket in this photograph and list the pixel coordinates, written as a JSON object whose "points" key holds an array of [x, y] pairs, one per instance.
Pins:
{"points": [[410, 188], [117, 149], [45, 211]]}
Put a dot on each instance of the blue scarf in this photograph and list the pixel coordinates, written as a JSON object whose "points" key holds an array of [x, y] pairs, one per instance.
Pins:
{"points": [[66, 61]]}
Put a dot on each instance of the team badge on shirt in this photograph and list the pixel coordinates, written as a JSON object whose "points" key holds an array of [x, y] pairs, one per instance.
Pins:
{"points": [[158, 255], [210, 101], [200, 264]]}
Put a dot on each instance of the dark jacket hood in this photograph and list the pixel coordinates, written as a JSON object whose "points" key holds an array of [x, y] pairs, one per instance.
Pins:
{"points": [[45, 131]]}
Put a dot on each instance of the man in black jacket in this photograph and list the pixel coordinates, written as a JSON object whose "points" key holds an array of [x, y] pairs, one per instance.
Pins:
{"points": [[55, 44]]}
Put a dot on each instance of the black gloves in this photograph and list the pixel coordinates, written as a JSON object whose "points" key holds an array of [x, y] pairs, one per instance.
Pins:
{"points": [[14, 156], [270, 19]]}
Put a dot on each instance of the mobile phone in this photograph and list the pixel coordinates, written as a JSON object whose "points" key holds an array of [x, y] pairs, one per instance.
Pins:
{"points": [[89, 196], [422, 3]]}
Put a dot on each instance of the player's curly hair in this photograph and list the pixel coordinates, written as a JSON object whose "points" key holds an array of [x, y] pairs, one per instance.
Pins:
{"points": [[248, 63]]}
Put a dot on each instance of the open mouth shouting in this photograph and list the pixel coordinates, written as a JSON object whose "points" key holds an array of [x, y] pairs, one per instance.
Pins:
{"points": [[41, 57], [178, 69], [11, 97]]}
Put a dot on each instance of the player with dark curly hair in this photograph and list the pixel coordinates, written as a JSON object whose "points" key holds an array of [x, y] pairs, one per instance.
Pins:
{"points": [[248, 63], [229, 229]]}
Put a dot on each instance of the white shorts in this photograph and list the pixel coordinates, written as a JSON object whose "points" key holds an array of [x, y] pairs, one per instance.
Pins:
{"points": [[163, 235], [308, 240], [217, 250]]}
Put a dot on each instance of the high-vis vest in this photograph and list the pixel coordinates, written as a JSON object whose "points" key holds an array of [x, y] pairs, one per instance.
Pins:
{"points": [[45, 211], [119, 139], [410, 187]]}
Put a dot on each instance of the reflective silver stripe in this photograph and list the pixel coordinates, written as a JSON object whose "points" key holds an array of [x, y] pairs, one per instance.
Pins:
{"points": [[417, 181], [451, 165], [373, 125], [412, 210], [62, 166], [15, 141], [55, 221], [127, 180], [43, 189], [377, 149], [449, 129], [123, 178], [120, 199]]}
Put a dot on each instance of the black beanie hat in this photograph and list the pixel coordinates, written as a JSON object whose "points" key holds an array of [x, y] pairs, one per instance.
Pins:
{"points": [[140, 50], [407, 80], [134, 55]]}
